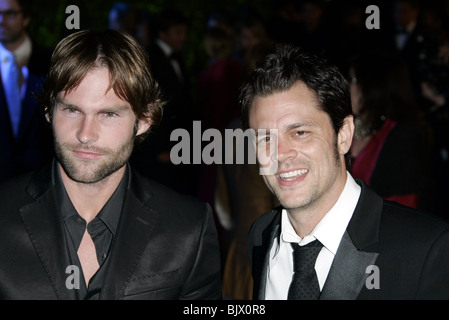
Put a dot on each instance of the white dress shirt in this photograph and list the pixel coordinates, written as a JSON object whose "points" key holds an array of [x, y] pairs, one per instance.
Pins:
{"points": [[401, 38], [329, 231], [14, 73], [22, 57]]}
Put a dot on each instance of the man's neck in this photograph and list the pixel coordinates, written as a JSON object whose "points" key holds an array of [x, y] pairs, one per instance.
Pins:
{"points": [[305, 219], [89, 199], [13, 45]]}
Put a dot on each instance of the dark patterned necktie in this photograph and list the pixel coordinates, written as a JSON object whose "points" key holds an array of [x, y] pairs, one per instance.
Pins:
{"points": [[304, 285]]}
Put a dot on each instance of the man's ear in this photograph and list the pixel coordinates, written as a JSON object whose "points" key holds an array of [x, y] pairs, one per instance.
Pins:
{"points": [[345, 135], [143, 125], [47, 115], [26, 22]]}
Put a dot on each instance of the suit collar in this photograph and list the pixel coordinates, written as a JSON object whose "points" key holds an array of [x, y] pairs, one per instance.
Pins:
{"points": [[44, 226], [347, 275], [269, 235], [30, 108], [364, 225], [357, 249], [45, 229], [42, 181], [140, 216]]}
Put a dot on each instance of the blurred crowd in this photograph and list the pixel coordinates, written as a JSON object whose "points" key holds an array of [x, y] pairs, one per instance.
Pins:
{"points": [[398, 77]]}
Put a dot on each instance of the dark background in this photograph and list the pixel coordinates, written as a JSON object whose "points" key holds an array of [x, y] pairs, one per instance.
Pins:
{"points": [[48, 22], [48, 27]]}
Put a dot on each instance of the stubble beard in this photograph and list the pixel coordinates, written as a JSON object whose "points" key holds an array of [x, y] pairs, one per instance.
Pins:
{"points": [[92, 171], [8, 37], [314, 193]]}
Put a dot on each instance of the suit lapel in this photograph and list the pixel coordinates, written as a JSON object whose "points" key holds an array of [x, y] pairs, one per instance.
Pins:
{"points": [[262, 255], [135, 228], [347, 274], [357, 249], [45, 229], [5, 123], [29, 104]]}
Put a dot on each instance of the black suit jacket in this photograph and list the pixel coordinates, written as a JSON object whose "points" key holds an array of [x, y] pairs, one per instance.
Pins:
{"points": [[410, 249], [166, 244], [33, 145]]}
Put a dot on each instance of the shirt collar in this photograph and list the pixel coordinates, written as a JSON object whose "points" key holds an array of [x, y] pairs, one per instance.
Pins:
{"points": [[331, 228], [21, 54], [165, 47], [109, 214], [409, 28]]}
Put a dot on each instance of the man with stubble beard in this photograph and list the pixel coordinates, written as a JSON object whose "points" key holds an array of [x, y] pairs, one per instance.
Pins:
{"points": [[129, 237], [332, 237]]}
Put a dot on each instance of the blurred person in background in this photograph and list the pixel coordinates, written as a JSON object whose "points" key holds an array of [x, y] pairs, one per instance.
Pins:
{"points": [[123, 17], [25, 139], [391, 147], [168, 67], [88, 226]]}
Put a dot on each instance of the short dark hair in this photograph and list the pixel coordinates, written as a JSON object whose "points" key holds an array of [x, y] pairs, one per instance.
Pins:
{"points": [[289, 65], [127, 62], [170, 18], [25, 6]]}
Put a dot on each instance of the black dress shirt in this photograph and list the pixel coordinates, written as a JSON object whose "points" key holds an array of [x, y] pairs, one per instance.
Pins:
{"points": [[102, 229]]}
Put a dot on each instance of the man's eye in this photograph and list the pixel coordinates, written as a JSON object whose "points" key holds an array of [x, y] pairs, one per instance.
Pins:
{"points": [[71, 110], [110, 114], [264, 140]]}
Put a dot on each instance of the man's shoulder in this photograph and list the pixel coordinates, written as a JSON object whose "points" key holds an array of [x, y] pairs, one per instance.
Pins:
{"points": [[160, 196], [268, 217], [15, 185], [409, 220], [13, 196], [265, 221]]}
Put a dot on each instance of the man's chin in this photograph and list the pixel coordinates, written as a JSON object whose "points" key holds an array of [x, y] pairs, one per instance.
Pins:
{"points": [[89, 173], [85, 179]]}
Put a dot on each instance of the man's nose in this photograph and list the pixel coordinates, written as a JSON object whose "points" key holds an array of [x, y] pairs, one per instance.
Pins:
{"points": [[88, 130], [285, 150]]}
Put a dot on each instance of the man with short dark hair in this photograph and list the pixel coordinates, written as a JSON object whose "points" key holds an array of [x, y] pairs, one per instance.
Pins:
{"points": [[169, 69], [332, 237], [88, 226], [25, 140]]}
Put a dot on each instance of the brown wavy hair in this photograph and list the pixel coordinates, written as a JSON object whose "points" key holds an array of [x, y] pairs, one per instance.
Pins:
{"points": [[126, 60]]}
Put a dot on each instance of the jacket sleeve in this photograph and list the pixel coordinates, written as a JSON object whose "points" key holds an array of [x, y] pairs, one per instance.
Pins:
{"points": [[434, 281]]}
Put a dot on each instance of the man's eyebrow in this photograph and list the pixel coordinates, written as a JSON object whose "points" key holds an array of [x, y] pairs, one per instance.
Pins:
{"points": [[297, 125], [60, 101], [117, 108]]}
